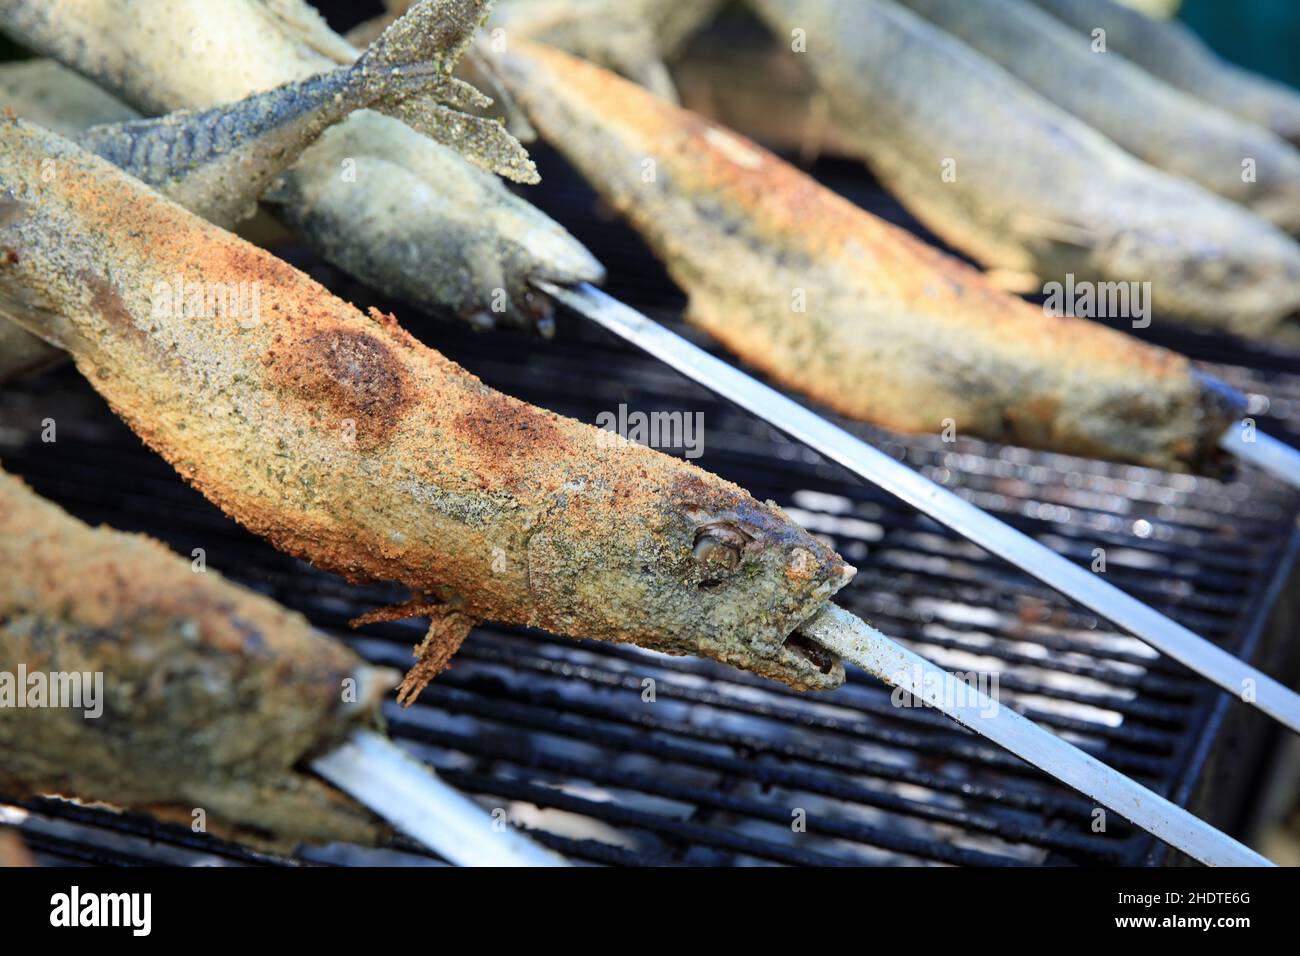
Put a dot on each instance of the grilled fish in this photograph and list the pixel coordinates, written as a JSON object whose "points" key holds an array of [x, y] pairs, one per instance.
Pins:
{"points": [[857, 313], [346, 442], [1158, 123], [1171, 51], [1023, 186], [210, 696], [404, 214], [218, 162]]}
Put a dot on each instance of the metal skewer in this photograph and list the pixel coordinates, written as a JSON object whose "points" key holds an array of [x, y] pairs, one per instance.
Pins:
{"points": [[407, 794], [1169, 637], [841, 632], [1263, 451]]}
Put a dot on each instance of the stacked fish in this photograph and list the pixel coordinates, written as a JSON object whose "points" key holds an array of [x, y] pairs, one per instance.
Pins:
{"points": [[122, 177]]}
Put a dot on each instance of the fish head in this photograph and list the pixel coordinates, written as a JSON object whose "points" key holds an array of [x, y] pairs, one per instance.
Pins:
{"points": [[1229, 270], [684, 563], [758, 576]]}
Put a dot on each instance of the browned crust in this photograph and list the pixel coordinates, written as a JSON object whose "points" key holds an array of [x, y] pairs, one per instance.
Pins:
{"points": [[737, 227], [443, 473], [162, 635], [783, 203]]}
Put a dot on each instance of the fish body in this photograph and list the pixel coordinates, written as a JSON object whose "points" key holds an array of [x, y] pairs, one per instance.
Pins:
{"points": [[211, 694], [1023, 186], [346, 442], [165, 55], [1160, 124], [1172, 51], [856, 312]]}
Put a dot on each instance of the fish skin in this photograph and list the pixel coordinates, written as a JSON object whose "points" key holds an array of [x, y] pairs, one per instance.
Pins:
{"points": [[1047, 195], [893, 332], [212, 693], [218, 162], [52, 96], [1172, 51], [1158, 123], [346, 442], [164, 55]]}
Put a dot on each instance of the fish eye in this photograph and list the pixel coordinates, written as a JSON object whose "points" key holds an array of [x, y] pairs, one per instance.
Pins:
{"points": [[720, 543]]}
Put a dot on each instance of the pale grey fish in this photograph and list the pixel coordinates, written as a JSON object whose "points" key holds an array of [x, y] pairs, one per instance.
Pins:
{"points": [[387, 210], [1021, 185], [1172, 51], [1156, 122], [218, 162], [345, 441], [50, 94]]}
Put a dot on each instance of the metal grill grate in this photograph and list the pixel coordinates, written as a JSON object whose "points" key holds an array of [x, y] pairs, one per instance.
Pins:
{"points": [[716, 768]]}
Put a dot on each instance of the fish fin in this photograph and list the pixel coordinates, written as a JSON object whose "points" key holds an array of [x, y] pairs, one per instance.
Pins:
{"points": [[424, 45], [418, 605], [447, 631], [433, 33], [1054, 230], [460, 95], [484, 142]]}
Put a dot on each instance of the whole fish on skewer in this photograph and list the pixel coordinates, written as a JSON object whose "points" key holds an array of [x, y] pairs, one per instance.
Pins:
{"points": [[1172, 51], [857, 313], [346, 442], [1023, 186], [208, 696], [405, 214], [218, 162], [1158, 123]]}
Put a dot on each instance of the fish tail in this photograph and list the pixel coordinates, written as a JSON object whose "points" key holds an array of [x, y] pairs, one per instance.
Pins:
{"points": [[406, 73], [431, 36]]}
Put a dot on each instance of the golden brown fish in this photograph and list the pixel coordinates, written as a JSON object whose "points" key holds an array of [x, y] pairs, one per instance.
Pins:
{"points": [[177, 691], [848, 309], [345, 441]]}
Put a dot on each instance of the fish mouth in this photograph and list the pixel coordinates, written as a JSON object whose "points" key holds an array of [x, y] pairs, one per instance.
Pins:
{"points": [[805, 664]]}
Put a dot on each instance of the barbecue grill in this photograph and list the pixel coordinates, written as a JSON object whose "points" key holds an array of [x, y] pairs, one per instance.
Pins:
{"points": [[614, 755]]}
